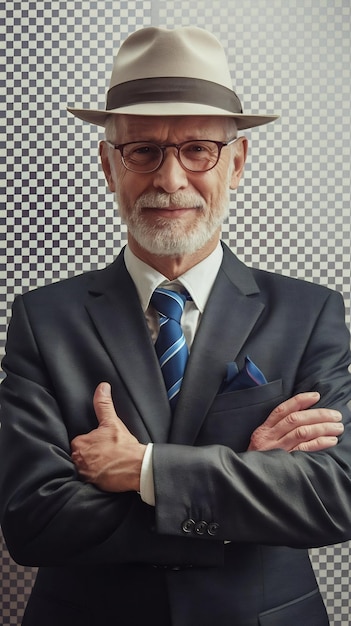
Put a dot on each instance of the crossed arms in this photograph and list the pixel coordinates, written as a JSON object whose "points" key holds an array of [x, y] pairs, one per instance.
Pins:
{"points": [[111, 458]]}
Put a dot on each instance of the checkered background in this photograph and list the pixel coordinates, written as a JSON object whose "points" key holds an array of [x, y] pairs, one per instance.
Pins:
{"points": [[291, 215]]}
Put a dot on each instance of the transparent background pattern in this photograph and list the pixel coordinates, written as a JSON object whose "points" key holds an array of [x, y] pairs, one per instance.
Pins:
{"points": [[291, 214]]}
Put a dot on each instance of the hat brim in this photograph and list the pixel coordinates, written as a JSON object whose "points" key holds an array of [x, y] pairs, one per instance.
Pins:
{"points": [[98, 117]]}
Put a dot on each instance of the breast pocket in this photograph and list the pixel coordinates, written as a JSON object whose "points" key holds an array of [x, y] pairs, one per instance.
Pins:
{"points": [[234, 416]]}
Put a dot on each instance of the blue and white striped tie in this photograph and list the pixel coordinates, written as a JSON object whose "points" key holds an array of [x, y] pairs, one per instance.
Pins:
{"points": [[170, 345]]}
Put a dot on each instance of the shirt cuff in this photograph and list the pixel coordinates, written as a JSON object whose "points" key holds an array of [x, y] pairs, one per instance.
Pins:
{"points": [[147, 489]]}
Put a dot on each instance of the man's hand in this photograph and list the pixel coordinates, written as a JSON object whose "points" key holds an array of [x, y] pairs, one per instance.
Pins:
{"points": [[109, 456], [293, 425]]}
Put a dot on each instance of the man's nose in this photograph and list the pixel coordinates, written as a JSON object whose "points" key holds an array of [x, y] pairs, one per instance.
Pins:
{"points": [[170, 176]]}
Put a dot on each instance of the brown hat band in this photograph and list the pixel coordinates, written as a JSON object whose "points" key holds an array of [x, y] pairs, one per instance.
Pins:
{"points": [[172, 89]]}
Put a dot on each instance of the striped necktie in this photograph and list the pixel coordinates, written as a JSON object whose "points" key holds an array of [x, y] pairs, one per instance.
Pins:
{"points": [[170, 345]]}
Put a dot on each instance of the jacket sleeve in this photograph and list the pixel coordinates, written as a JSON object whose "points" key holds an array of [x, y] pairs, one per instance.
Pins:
{"points": [[45, 508], [48, 515], [295, 499]]}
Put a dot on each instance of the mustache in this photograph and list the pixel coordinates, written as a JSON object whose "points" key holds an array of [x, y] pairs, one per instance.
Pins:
{"points": [[179, 199]]}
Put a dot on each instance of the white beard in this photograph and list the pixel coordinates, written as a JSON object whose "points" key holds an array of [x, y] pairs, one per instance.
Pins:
{"points": [[171, 236]]}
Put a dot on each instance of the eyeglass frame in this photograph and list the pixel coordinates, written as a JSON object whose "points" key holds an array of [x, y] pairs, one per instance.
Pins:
{"points": [[220, 145]]}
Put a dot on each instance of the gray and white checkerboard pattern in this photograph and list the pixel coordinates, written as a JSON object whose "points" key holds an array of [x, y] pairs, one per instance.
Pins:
{"points": [[291, 215]]}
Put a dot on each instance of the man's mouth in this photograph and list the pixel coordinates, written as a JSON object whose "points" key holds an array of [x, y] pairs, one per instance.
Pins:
{"points": [[169, 205], [171, 211]]}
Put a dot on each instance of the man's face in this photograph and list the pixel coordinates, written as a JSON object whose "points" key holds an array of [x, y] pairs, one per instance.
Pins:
{"points": [[173, 211]]}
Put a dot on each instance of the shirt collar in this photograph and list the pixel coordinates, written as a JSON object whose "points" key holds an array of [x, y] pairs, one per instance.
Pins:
{"points": [[198, 280]]}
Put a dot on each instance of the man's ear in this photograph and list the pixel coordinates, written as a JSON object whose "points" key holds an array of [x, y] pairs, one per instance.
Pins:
{"points": [[106, 165], [241, 147]]}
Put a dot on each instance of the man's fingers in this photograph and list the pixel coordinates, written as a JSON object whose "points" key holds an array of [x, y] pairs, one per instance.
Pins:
{"points": [[307, 433], [297, 403], [321, 443], [305, 426], [293, 426], [308, 417]]}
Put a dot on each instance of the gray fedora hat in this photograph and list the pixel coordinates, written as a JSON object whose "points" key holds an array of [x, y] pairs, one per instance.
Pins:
{"points": [[171, 72]]}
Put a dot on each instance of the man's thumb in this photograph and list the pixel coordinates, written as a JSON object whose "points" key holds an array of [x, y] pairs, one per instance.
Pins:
{"points": [[103, 404]]}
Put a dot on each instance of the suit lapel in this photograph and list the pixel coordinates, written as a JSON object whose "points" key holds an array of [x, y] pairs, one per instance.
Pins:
{"points": [[231, 312], [115, 310]]}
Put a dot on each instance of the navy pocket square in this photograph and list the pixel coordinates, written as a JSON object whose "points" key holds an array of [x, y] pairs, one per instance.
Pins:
{"points": [[249, 376]]}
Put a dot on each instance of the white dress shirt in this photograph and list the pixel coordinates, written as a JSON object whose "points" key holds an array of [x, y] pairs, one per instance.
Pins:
{"points": [[198, 281]]}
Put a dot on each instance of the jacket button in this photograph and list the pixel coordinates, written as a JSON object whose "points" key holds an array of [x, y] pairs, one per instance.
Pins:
{"points": [[188, 526], [201, 527], [212, 528]]}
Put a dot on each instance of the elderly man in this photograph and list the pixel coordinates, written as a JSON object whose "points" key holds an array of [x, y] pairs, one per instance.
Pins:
{"points": [[171, 437]]}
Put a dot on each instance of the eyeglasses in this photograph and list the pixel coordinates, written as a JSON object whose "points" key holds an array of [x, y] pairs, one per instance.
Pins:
{"points": [[197, 155]]}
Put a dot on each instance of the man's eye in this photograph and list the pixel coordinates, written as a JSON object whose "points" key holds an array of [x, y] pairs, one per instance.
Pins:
{"points": [[199, 150], [144, 150], [196, 147]]}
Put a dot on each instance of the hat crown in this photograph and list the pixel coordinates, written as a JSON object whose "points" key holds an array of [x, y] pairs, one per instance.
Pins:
{"points": [[189, 52]]}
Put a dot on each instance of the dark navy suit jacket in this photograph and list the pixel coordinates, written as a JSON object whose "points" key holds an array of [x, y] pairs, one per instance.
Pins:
{"points": [[110, 558]]}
